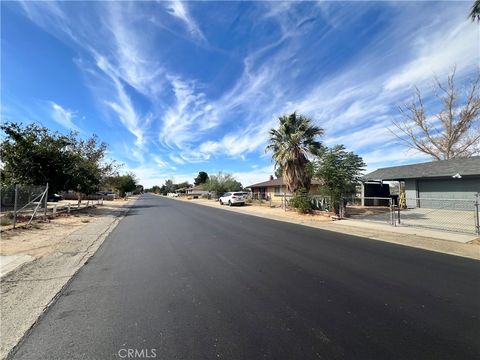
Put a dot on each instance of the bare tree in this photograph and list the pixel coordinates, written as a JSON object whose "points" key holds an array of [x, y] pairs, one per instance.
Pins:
{"points": [[453, 132]]}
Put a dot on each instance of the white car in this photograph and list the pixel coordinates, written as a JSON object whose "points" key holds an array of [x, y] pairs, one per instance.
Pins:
{"points": [[232, 198]]}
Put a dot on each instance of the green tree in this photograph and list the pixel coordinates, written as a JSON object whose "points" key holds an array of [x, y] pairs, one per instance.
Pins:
{"points": [[201, 178], [88, 167], [154, 189], [169, 187], [222, 183], [291, 143], [122, 183], [339, 172], [34, 155]]}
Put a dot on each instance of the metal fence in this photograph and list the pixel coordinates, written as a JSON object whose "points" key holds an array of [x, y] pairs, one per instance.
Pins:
{"points": [[458, 215], [20, 203], [317, 202], [377, 209], [19, 195]]}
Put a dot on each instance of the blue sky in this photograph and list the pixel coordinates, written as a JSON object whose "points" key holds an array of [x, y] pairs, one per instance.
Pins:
{"points": [[179, 87]]}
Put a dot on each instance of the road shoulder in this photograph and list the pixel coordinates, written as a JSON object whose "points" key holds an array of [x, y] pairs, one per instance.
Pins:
{"points": [[30, 288]]}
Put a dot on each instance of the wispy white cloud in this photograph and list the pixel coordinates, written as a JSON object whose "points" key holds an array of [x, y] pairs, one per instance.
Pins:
{"points": [[188, 117], [238, 143], [177, 159], [63, 116], [123, 105], [131, 54], [179, 10], [161, 163], [437, 54]]}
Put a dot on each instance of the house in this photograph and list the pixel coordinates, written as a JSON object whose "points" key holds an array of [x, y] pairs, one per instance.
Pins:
{"points": [[273, 189], [453, 179], [196, 191], [182, 190]]}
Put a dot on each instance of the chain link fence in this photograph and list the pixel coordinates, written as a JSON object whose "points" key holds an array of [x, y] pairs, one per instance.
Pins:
{"points": [[317, 202], [376, 209], [24, 203], [458, 215], [21, 202]]}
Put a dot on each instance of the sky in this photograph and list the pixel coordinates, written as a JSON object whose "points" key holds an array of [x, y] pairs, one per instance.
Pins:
{"points": [[175, 88]]}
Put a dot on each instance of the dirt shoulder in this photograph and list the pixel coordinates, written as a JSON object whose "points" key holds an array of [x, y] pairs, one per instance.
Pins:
{"points": [[444, 242], [57, 249]]}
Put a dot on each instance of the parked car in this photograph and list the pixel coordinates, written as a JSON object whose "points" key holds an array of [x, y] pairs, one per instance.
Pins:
{"points": [[232, 198], [55, 197]]}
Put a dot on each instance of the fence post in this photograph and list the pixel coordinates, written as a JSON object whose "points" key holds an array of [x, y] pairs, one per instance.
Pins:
{"points": [[398, 211], [477, 216], [392, 213], [54, 211], [45, 203], [15, 201], [68, 208]]}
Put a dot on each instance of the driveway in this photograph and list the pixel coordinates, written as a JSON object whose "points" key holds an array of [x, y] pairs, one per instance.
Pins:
{"points": [[462, 221], [180, 281]]}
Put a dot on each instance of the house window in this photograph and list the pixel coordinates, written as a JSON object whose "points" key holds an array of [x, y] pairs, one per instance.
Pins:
{"points": [[277, 189]]}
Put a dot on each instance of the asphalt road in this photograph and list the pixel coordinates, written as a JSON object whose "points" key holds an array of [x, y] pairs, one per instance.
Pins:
{"points": [[181, 281]]}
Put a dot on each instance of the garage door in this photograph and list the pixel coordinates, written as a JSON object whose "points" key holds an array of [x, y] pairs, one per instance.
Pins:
{"points": [[448, 189]]}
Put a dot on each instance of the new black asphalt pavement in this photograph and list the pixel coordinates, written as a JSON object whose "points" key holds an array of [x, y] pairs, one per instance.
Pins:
{"points": [[176, 280]]}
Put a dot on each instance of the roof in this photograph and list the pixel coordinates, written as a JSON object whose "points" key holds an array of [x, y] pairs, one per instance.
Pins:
{"points": [[196, 188], [277, 182], [434, 169]]}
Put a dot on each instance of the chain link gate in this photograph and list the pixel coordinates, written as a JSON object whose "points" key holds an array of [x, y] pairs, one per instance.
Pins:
{"points": [[457, 215]]}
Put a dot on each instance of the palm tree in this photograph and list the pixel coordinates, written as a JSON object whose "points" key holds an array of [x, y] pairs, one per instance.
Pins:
{"points": [[291, 144], [475, 11]]}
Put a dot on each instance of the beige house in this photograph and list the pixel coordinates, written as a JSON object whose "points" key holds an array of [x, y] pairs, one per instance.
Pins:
{"points": [[274, 189], [196, 191]]}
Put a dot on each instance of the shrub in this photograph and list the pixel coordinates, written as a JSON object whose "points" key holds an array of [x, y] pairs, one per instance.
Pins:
{"points": [[302, 202]]}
